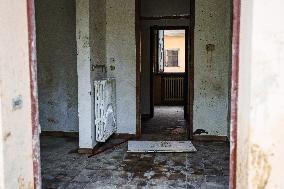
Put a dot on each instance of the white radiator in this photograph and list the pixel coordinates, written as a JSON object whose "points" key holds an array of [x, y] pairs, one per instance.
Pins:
{"points": [[105, 108]]}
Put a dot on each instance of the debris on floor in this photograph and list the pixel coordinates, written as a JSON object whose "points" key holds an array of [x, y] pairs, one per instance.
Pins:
{"points": [[207, 168]]}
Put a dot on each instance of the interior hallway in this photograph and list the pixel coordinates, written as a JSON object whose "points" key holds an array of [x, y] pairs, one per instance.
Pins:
{"points": [[62, 167]]}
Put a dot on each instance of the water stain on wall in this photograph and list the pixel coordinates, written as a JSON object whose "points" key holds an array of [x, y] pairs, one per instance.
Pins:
{"points": [[6, 136], [261, 166], [23, 185]]}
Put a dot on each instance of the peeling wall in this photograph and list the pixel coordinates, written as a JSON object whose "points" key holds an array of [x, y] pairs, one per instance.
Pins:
{"points": [[149, 8], [261, 91], [85, 78], [121, 45], [57, 65], [98, 37], [211, 66], [106, 31], [16, 155]]}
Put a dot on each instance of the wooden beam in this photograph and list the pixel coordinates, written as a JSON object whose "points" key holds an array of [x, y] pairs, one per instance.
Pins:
{"points": [[138, 68]]}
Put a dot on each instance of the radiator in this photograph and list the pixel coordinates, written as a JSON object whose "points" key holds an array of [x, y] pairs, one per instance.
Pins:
{"points": [[173, 88], [105, 108]]}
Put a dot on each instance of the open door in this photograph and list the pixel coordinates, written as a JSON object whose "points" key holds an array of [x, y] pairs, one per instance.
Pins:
{"points": [[156, 63], [161, 61]]}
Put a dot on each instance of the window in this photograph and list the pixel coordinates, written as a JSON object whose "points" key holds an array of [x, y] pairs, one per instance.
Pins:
{"points": [[171, 58]]}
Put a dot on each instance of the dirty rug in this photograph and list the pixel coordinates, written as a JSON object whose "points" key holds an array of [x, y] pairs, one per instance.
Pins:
{"points": [[160, 146]]}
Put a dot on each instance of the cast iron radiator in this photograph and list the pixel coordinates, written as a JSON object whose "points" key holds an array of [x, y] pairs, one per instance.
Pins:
{"points": [[105, 108], [172, 88]]}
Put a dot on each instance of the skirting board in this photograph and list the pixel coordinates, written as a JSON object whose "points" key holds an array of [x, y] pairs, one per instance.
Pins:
{"points": [[85, 150], [210, 138], [60, 134], [98, 145], [124, 136]]}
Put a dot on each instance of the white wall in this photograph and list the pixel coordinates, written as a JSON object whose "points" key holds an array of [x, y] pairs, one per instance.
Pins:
{"points": [[98, 36], [121, 45], [105, 30], [211, 68], [85, 82], [57, 65], [261, 91], [16, 155]]}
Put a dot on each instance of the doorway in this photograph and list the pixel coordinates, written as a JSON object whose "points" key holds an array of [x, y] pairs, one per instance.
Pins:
{"points": [[191, 158], [169, 86]]}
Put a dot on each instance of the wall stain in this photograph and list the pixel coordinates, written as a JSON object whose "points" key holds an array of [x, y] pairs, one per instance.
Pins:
{"points": [[261, 165], [22, 184], [9, 134]]}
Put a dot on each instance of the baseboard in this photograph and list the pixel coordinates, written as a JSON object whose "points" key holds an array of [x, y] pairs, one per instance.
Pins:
{"points": [[98, 145], [210, 138], [60, 134], [85, 151], [124, 136]]}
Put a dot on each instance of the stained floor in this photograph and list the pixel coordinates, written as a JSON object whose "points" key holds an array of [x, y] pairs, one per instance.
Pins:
{"points": [[115, 168], [167, 124]]}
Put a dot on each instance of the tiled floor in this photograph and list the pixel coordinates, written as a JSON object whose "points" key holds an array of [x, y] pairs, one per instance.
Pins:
{"points": [[206, 168]]}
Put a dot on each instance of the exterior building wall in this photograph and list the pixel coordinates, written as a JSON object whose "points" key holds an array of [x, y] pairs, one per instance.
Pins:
{"points": [[176, 42]]}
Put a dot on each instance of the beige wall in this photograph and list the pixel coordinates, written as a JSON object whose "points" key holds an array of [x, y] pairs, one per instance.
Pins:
{"points": [[16, 155], [176, 42], [260, 149]]}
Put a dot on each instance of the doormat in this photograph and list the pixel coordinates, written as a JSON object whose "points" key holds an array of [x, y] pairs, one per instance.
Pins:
{"points": [[160, 146]]}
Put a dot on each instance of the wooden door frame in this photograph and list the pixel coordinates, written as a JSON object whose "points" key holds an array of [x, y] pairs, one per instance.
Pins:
{"points": [[34, 93], [138, 67], [236, 18]]}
